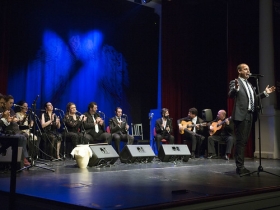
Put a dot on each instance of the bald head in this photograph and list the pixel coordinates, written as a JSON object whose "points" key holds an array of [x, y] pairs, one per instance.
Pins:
{"points": [[221, 114]]}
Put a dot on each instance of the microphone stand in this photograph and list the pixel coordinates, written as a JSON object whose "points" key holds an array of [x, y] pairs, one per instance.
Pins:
{"points": [[33, 117], [151, 130], [65, 130], [259, 110]]}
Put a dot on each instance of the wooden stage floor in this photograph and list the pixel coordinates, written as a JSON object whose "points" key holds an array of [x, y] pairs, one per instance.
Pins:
{"points": [[138, 185]]}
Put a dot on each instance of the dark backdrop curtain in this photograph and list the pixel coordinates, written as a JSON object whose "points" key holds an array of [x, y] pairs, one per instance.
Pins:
{"points": [[4, 45]]}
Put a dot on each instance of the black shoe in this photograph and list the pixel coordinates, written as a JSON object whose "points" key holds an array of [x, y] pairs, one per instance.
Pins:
{"points": [[192, 155], [212, 156], [243, 171]]}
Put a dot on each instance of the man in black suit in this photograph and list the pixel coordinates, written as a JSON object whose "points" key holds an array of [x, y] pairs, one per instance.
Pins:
{"points": [[164, 128], [221, 129], [195, 132], [94, 126], [244, 111], [119, 128]]}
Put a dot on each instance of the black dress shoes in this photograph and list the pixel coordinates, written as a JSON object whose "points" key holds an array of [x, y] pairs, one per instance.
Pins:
{"points": [[243, 171]]}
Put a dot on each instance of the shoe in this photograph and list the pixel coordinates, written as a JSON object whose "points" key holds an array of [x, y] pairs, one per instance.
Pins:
{"points": [[226, 157], [192, 155], [25, 162], [243, 171], [212, 156]]}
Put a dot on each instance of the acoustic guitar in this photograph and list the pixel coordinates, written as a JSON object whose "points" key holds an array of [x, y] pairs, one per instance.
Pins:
{"points": [[215, 126], [189, 125]]}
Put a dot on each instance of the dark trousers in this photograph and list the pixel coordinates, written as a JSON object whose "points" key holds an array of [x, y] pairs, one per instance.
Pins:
{"points": [[101, 137], [159, 137], [117, 138], [242, 132], [195, 138], [211, 143]]}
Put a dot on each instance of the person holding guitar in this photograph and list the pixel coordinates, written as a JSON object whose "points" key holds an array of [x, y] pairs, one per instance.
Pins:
{"points": [[164, 128], [221, 129], [192, 127]]}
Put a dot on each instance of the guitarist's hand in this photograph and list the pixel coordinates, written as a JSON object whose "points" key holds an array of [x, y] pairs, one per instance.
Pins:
{"points": [[181, 127], [197, 126], [236, 84], [227, 121]]}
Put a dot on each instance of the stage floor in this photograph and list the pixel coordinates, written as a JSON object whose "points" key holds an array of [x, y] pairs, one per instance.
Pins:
{"points": [[140, 184]]}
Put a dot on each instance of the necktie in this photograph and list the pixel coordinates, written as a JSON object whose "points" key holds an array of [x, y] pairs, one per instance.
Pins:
{"points": [[250, 97]]}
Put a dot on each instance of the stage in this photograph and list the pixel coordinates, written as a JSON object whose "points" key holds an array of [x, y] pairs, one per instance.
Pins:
{"points": [[154, 185]]}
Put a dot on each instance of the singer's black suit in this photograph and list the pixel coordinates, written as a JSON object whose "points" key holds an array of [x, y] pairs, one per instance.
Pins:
{"points": [[102, 135], [162, 133], [195, 137], [119, 132], [74, 128], [51, 137], [242, 118]]}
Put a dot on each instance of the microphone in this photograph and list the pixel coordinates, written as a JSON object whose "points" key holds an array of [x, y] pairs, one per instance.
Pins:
{"points": [[124, 115], [101, 112], [57, 109], [16, 105], [255, 75], [78, 112]]}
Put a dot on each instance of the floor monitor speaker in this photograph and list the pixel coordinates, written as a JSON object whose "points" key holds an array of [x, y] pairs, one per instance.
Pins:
{"points": [[137, 153], [207, 115], [174, 152], [102, 154]]}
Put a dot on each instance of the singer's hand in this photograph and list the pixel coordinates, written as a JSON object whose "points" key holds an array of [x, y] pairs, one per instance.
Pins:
{"points": [[57, 120], [82, 116], [101, 122], [269, 90], [6, 114], [15, 119], [127, 126], [98, 119], [236, 84]]}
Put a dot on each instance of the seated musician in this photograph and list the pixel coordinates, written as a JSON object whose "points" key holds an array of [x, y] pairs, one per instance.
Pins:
{"points": [[221, 129], [26, 124], [119, 128], [9, 123], [51, 123], [94, 126], [73, 122], [164, 128], [192, 129]]}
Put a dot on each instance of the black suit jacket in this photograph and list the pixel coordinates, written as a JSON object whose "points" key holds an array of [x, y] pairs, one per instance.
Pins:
{"points": [[241, 100], [161, 131], [90, 126], [115, 128]]}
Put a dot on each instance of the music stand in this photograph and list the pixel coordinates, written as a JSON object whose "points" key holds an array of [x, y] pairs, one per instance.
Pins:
{"points": [[33, 117], [259, 110]]}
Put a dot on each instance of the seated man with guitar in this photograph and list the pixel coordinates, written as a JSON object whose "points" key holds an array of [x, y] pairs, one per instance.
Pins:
{"points": [[221, 129], [164, 128], [192, 128]]}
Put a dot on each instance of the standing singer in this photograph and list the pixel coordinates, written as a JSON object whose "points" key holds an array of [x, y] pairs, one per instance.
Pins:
{"points": [[244, 111]]}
